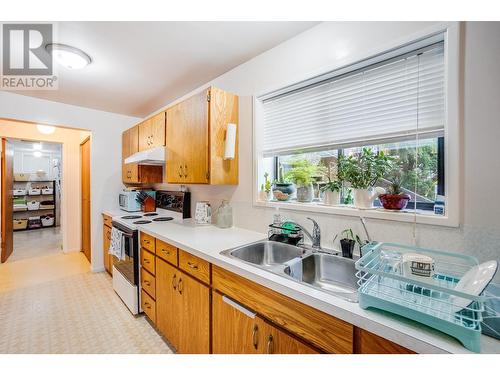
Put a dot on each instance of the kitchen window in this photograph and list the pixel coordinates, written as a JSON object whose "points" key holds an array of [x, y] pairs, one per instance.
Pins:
{"points": [[399, 102]]}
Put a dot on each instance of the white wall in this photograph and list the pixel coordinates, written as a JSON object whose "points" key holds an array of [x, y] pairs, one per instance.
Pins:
{"points": [[331, 45], [105, 128]]}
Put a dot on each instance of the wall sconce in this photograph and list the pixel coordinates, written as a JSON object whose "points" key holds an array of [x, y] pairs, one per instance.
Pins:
{"points": [[230, 143]]}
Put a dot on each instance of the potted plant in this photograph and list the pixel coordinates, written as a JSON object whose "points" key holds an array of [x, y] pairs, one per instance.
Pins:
{"points": [[331, 192], [282, 190], [362, 172], [302, 173], [395, 199], [347, 242]]}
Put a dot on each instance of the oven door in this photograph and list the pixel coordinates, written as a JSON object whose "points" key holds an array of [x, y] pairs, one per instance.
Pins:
{"points": [[129, 266]]}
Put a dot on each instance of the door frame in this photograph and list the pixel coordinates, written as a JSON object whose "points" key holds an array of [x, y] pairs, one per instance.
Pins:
{"points": [[87, 139]]}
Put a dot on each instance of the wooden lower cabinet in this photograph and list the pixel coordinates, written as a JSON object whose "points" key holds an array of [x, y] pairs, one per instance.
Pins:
{"points": [[106, 241], [368, 343], [237, 330], [182, 309]]}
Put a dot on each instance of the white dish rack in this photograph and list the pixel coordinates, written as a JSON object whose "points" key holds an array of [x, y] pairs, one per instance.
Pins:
{"points": [[433, 301]]}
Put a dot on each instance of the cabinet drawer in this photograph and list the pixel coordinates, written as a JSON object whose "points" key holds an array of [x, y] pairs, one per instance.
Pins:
{"points": [[148, 306], [148, 283], [194, 266], [148, 261], [166, 252], [148, 242], [106, 220]]}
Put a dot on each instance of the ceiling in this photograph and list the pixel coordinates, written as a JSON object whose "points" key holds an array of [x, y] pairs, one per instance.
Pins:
{"points": [[22, 145], [138, 67]]}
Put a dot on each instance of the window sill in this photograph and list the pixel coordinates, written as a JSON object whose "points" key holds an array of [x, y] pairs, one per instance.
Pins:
{"points": [[422, 217]]}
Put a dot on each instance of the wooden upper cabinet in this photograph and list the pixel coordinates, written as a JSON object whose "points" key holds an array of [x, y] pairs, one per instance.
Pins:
{"points": [[195, 139], [130, 145], [152, 132], [134, 173]]}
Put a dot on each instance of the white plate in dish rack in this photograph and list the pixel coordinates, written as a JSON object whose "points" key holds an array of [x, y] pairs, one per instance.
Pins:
{"points": [[474, 282]]}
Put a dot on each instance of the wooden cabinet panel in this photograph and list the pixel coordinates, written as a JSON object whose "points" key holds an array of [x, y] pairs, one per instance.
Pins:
{"points": [[277, 341], [235, 330], [148, 283], [152, 132], [175, 145], [107, 220], [148, 261], [368, 343], [322, 330], [130, 139], [148, 306], [148, 242], [194, 324], [223, 110], [187, 141], [166, 252], [168, 301], [194, 266], [106, 235]]}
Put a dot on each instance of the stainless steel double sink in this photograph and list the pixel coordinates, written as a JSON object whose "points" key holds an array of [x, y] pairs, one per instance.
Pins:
{"points": [[323, 271]]}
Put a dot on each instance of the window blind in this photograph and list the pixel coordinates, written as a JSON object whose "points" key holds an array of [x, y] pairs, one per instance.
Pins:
{"points": [[393, 99]]}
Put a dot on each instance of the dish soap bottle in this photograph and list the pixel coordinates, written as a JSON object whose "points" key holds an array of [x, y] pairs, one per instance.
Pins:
{"points": [[224, 215]]}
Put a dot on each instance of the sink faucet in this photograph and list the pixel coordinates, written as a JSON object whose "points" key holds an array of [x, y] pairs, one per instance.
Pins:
{"points": [[315, 237]]}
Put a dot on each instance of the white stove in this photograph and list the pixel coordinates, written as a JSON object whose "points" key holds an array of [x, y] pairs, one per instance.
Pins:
{"points": [[172, 206], [133, 220]]}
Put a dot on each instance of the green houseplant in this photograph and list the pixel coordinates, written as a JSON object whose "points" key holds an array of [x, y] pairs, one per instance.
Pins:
{"points": [[363, 171], [348, 240], [395, 199], [302, 174], [331, 192]]}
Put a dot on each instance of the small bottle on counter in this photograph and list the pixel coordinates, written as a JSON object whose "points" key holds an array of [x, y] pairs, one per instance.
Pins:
{"points": [[224, 217]]}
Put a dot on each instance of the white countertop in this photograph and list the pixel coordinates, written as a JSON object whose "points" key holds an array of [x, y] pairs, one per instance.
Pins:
{"points": [[207, 242]]}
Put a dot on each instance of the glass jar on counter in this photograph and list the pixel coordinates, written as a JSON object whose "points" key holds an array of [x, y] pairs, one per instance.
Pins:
{"points": [[224, 217]]}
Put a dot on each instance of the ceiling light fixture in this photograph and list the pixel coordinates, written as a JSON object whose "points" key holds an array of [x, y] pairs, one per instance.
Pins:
{"points": [[46, 129], [69, 57], [37, 146], [37, 154]]}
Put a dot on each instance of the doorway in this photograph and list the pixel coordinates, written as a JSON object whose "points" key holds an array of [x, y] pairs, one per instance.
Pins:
{"points": [[85, 196], [31, 198]]}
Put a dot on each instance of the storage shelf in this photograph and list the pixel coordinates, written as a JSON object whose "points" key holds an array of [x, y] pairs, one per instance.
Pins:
{"points": [[27, 212], [39, 209], [42, 227]]}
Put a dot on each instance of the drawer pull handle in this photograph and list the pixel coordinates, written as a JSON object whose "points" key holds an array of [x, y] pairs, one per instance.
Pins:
{"points": [[173, 282], [145, 261], [147, 305], [270, 344], [147, 283], [180, 171], [255, 337], [185, 170], [146, 242], [194, 266], [165, 251], [180, 286]]}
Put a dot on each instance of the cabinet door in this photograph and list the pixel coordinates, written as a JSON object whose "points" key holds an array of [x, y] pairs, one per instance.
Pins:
{"points": [[188, 141], [158, 130], [168, 301], [130, 139], [235, 329], [277, 341], [106, 236], [175, 145], [145, 135], [194, 337]]}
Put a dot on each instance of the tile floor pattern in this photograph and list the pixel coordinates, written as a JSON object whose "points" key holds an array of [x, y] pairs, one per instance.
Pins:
{"points": [[57, 306], [35, 243]]}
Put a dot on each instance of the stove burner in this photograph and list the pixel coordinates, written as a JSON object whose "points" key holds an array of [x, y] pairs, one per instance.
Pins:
{"points": [[151, 214], [165, 218], [131, 217], [142, 222]]}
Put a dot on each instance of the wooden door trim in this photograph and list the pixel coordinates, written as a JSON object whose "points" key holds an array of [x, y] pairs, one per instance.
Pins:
{"points": [[83, 144]]}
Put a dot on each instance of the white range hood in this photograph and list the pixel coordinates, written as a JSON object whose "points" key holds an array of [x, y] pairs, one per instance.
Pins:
{"points": [[153, 156]]}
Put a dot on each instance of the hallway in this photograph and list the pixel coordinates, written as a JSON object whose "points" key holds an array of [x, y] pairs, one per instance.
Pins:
{"points": [[36, 243], [53, 304]]}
